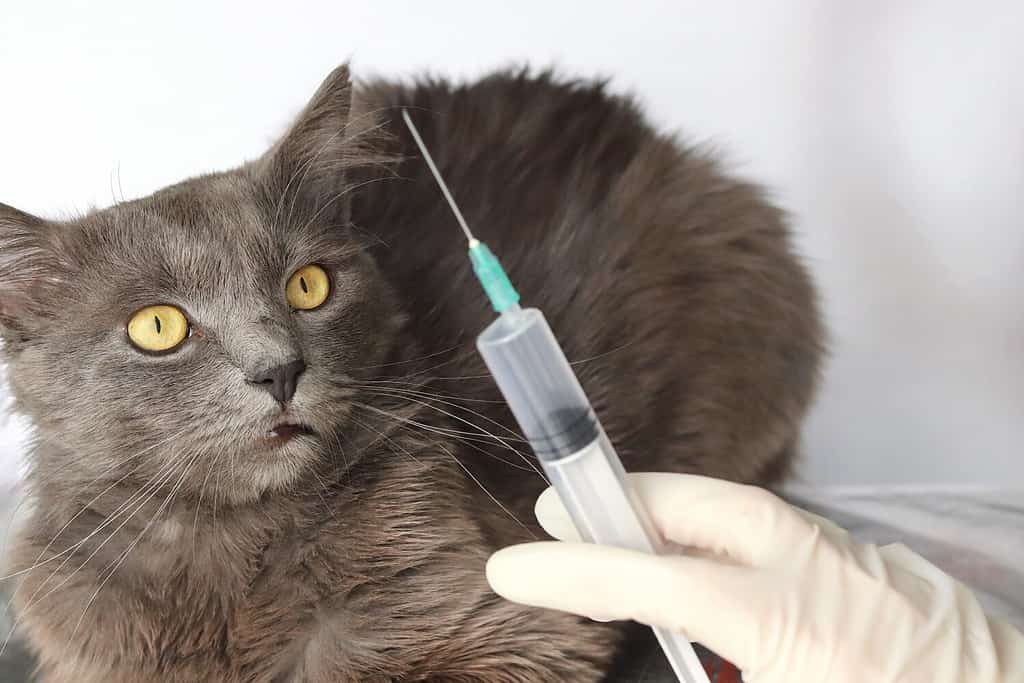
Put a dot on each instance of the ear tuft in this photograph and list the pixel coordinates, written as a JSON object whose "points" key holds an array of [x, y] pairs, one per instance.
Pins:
{"points": [[310, 162]]}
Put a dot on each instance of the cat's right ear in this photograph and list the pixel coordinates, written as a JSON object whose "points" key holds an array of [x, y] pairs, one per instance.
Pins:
{"points": [[31, 272]]}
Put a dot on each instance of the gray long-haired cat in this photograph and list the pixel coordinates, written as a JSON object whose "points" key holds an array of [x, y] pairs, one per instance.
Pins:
{"points": [[267, 449]]}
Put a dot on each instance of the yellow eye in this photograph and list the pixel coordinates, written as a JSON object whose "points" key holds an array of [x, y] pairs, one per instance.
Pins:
{"points": [[308, 288], [158, 328]]}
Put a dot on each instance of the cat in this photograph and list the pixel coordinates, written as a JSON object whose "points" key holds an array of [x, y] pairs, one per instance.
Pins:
{"points": [[295, 468]]}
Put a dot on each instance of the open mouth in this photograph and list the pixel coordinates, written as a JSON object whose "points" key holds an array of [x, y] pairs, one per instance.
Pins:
{"points": [[285, 432]]}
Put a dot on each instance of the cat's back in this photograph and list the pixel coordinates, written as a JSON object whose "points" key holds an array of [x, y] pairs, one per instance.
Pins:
{"points": [[633, 245], [568, 184]]}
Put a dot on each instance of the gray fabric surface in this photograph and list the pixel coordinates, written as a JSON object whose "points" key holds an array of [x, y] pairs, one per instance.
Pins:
{"points": [[977, 537]]}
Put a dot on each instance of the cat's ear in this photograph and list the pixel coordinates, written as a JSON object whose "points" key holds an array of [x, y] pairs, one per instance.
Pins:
{"points": [[31, 271], [309, 163]]}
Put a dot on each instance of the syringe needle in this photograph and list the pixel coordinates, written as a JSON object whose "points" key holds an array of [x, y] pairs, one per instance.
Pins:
{"points": [[489, 272], [437, 176]]}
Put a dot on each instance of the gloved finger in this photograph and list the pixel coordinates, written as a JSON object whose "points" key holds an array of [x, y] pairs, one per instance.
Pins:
{"points": [[717, 605], [555, 521], [745, 523], [554, 518]]}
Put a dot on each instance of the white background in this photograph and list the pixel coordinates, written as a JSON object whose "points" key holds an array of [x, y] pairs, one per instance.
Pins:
{"points": [[891, 130]]}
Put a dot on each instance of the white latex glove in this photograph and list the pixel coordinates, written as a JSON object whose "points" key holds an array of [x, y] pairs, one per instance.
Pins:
{"points": [[781, 593]]}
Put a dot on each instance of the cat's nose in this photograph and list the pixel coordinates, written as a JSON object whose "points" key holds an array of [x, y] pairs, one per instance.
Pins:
{"points": [[280, 380]]}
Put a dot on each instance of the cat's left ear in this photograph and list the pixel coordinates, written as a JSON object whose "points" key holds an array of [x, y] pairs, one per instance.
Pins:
{"points": [[308, 165], [32, 273]]}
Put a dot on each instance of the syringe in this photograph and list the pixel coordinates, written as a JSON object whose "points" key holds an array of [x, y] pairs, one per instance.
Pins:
{"points": [[555, 416]]}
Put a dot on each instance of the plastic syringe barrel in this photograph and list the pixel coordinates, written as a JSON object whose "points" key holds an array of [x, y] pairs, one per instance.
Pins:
{"points": [[557, 419]]}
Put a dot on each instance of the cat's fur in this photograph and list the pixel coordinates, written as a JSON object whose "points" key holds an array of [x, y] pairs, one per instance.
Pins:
{"points": [[172, 547]]}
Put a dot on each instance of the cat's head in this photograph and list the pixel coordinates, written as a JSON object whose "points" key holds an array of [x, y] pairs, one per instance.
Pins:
{"points": [[201, 333]]}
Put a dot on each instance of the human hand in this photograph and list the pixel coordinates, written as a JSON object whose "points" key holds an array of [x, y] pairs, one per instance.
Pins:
{"points": [[781, 593]]}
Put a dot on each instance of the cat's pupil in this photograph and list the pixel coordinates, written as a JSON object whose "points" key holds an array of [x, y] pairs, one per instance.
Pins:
{"points": [[156, 319], [302, 283]]}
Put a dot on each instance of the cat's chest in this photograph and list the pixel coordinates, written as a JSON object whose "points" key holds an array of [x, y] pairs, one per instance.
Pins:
{"points": [[329, 589]]}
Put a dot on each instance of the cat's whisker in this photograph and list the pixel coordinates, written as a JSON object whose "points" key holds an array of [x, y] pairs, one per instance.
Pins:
{"points": [[67, 551], [399, 392], [406, 362], [147, 492], [484, 489], [89, 505], [210, 465], [478, 434], [233, 464], [388, 439], [38, 441], [337, 438], [394, 385], [464, 468], [154, 484], [120, 188], [477, 443], [326, 490], [131, 546], [341, 450], [461, 378], [590, 359], [425, 373], [494, 436], [110, 180], [216, 495], [443, 432], [335, 447]]}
